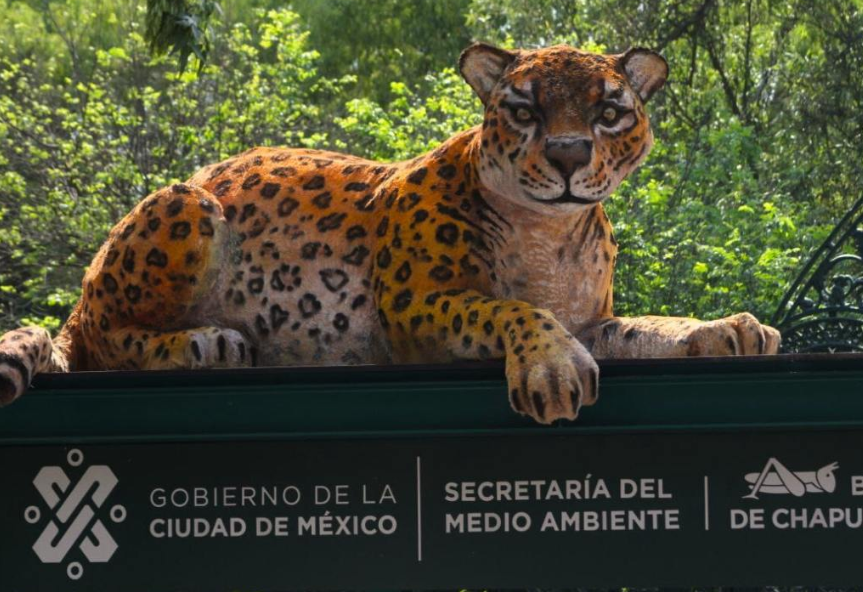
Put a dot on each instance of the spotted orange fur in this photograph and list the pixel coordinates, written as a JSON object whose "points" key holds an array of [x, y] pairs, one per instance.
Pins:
{"points": [[494, 245]]}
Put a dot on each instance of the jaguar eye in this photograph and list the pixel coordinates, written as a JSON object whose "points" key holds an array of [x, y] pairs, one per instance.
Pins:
{"points": [[523, 115], [609, 114]]}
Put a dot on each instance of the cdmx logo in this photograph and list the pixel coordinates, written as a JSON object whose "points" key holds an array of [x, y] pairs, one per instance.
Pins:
{"points": [[73, 522]]}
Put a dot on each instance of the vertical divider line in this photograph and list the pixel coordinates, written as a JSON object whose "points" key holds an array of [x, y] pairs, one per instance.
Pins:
{"points": [[419, 514], [706, 504]]}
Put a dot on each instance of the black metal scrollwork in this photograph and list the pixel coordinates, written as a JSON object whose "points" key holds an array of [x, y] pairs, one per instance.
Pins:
{"points": [[822, 311]]}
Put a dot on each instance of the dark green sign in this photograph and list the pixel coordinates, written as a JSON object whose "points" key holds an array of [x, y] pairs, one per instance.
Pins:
{"points": [[654, 503]]}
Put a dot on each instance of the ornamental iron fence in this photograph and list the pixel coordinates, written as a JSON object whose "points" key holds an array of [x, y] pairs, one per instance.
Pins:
{"points": [[822, 311]]}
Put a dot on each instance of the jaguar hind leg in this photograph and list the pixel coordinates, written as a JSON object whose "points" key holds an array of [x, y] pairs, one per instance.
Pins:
{"points": [[147, 295], [201, 347]]}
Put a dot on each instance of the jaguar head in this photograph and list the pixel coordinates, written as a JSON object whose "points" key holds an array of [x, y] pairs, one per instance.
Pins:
{"points": [[562, 127]]}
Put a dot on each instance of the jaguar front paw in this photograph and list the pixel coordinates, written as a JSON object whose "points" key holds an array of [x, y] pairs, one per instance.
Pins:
{"points": [[741, 334], [550, 374]]}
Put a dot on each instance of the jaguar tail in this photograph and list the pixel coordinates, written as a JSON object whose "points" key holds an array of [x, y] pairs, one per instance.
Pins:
{"points": [[28, 351]]}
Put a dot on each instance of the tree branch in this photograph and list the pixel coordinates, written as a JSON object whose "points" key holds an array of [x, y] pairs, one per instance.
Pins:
{"points": [[683, 27], [727, 87], [747, 59]]}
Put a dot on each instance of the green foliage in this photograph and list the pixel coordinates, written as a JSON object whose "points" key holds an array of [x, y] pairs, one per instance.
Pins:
{"points": [[378, 41], [411, 123], [385, 41], [180, 27], [75, 157], [759, 132]]}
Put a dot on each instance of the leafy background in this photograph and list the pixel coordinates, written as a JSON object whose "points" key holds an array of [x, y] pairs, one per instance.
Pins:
{"points": [[760, 128]]}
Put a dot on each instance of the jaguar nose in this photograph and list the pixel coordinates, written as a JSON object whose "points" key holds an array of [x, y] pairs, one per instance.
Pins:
{"points": [[567, 154]]}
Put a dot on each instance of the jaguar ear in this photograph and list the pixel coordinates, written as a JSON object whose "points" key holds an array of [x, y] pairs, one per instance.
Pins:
{"points": [[482, 65], [646, 70]]}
